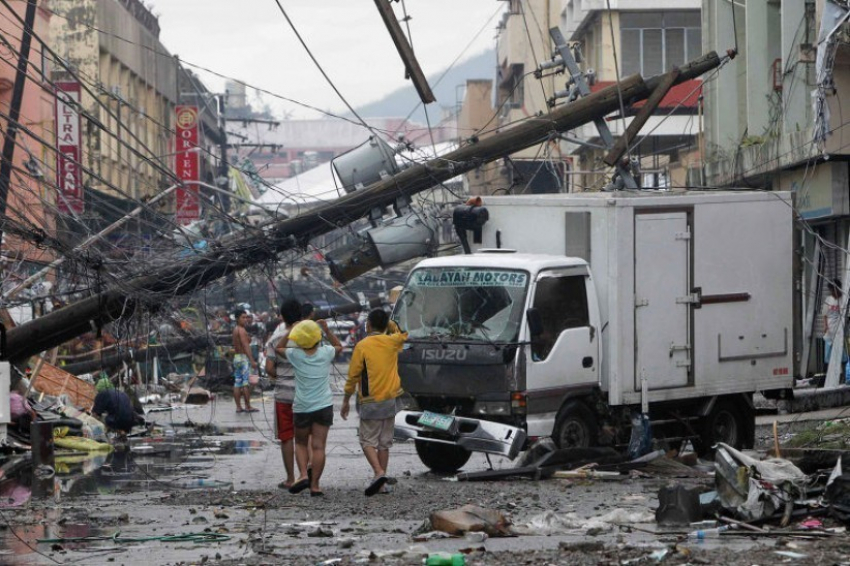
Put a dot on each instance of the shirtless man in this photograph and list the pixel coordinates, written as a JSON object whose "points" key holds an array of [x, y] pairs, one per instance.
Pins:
{"points": [[243, 362]]}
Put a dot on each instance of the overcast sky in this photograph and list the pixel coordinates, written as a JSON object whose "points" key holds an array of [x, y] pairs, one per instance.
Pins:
{"points": [[251, 40]]}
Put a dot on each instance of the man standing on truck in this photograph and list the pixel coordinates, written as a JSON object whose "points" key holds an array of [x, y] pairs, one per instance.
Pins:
{"points": [[373, 373]]}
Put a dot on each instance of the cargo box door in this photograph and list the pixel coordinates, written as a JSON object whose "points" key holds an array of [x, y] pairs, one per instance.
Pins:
{"points": [[662, 309]]}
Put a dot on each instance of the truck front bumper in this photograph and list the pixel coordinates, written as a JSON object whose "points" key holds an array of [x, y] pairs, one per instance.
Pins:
{"points": [[474, 435]]}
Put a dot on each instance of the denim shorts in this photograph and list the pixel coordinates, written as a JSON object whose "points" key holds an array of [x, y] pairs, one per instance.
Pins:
{"points": [[324, 417]]}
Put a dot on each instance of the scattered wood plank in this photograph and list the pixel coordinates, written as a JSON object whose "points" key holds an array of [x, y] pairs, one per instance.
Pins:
{"points": [[55, 381]]}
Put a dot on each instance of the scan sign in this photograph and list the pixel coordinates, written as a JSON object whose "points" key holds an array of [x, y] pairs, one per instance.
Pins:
{"points": [[462, 277]]}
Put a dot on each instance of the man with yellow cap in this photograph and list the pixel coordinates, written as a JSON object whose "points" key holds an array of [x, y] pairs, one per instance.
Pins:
{"points": [[313, 405]]}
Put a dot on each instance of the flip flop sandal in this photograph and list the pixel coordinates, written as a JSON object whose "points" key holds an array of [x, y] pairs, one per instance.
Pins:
{"points": [[376, 486], [299, 486], [317, 494]]}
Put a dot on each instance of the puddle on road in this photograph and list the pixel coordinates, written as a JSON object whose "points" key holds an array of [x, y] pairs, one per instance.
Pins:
{"points": [[182, 461], [147, 464], [210, 429]]}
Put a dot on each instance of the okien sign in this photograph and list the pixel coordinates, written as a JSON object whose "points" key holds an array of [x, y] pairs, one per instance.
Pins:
{"points": [[186, 165], [69, 174]]}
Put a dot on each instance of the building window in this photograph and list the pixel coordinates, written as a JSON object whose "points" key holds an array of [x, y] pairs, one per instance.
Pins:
{"points": [[653, 42], [511, 87]]}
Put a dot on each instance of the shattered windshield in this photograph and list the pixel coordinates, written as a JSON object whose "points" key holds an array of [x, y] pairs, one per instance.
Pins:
{"points": [[462, 302]]}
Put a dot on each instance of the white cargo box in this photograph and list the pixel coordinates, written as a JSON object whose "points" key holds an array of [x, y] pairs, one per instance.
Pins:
{"points": [[696, 289]]}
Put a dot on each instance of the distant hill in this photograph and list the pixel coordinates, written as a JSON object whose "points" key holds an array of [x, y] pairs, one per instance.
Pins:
{"points": [[403, 100]]}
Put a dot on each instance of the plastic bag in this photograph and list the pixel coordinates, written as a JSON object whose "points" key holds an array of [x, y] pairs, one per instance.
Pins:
{"points": [[640, 442]]}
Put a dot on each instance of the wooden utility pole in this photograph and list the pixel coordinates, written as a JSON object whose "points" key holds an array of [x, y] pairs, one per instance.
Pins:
{"points": [[405, 51], [263, 243]]}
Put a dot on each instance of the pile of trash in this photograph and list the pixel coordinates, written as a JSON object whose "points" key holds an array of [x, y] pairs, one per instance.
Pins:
{"points": [[805, 495]]}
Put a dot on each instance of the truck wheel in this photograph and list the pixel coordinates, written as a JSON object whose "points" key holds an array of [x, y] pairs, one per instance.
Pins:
{"points": [[442, 458], [726, 423], [575, 427]]}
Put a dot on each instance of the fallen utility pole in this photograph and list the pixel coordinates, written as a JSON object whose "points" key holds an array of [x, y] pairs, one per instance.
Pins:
{"points": [[262, 244], [147, 353]]}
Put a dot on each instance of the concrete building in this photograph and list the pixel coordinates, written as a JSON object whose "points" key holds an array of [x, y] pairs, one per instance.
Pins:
{"points": [[131, 85], [761, 120], [474, 118], [646, 37], [133, 80], [31, 191], [523, 42]]}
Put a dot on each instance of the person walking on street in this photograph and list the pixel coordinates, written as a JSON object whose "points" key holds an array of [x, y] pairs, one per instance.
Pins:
{"points": [[281, 372], [373, 374], [313, 405], [243, 363]]}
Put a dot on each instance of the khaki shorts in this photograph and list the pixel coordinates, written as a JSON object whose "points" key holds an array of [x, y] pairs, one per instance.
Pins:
{"points": [[377, 433]]}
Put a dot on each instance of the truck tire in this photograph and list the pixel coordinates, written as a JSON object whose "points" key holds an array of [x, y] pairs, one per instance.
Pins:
{"points": [[442, 458], [575, 427], [728, 422]]}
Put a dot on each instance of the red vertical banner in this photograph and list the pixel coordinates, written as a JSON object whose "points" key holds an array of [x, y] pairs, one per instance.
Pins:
{"points": [[186, 165], [69, 172]]}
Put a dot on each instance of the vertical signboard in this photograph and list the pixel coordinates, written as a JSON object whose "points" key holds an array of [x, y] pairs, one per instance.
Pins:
{"points": [[69, 174], [186, 165]]}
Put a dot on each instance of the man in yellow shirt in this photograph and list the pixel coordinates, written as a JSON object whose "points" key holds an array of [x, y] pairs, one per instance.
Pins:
{"points": [[373, 373]]}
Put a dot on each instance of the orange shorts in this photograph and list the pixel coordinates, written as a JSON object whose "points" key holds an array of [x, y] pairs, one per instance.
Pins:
{"points": [[284, 421]]}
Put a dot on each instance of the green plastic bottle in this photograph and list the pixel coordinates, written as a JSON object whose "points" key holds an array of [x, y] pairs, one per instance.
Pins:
{"points": [[445, 559]]}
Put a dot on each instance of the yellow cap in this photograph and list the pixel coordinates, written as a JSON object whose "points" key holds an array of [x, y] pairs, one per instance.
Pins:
{"points": [[306, 334]]}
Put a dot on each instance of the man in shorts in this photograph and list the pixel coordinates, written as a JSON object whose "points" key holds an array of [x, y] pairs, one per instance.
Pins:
{"points": [[243, 363], [280, 370], [373, 373]]}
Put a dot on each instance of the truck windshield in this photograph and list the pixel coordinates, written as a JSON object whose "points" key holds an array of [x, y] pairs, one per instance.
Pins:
{"points": [[465, 303]]}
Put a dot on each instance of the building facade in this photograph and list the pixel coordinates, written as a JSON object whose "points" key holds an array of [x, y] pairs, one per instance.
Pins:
{"points": [[646, 38], [31, 190], [774, 121], [130, 88]]}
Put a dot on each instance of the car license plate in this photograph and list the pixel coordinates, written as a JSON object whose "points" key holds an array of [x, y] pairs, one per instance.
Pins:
{"points": [[445, 423]]}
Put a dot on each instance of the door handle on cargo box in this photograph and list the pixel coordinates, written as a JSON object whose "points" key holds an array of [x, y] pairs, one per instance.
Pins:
{"points": [[587, 362]]}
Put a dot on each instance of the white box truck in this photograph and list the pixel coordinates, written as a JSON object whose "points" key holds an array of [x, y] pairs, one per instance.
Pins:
{"points": [[578, 311]]}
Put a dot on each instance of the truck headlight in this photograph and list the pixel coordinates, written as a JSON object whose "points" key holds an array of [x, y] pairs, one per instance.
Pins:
{"points": [[492, 408]]}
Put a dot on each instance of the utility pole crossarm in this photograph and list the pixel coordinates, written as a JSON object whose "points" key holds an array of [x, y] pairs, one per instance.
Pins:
{"points": [[643, 115], [577, 78], [263, 243]]}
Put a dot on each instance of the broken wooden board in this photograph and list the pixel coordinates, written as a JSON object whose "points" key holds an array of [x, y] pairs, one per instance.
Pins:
{"points": [[589, 474], [55, 381]]}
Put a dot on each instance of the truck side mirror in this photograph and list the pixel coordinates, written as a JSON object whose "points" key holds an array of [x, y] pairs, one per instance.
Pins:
{"points": [[535, 322]]}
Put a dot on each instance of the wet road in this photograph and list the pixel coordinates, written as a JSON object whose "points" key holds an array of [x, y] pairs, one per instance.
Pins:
{"points": [[213, 471]]}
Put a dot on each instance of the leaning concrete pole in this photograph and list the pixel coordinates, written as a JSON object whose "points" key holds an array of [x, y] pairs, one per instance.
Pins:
{"points": [[262, 244]]}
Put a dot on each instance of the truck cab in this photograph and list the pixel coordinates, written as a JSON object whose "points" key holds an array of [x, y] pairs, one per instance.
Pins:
{"points": [[500, 336]]}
